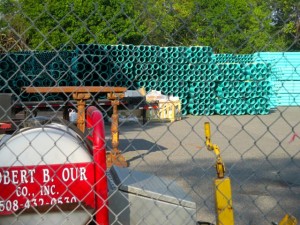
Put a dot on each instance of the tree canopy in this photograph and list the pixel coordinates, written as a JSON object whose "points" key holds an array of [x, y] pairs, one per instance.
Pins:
{"points": [[234, 26]]}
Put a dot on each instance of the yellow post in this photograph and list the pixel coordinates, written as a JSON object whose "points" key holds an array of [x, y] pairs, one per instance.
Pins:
{"points": [[223, 199], [288, 220], [222, 185]]}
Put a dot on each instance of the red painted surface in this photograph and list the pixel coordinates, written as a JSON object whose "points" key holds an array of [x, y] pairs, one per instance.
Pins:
{"points": [[5, 126], [95, 123], [27, 186], [38, 185]]}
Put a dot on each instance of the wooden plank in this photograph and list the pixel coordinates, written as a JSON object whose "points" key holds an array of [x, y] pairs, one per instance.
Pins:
{"points": [[73, 89]]}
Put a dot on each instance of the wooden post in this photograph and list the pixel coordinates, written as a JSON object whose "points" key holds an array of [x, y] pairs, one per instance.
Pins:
{"points": [[115, 157], [81, 98]]}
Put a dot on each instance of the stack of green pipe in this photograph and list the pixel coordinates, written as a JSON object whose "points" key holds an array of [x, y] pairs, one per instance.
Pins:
{"points": [[233, 58], [146, 67], [244, 92], [121, 61], [91, 65], [206, 83]]}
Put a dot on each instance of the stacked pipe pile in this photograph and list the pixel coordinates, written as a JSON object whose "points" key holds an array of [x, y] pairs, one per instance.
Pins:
{"points": [[34, 69], [286, 86], [243, 88], [206, 83], [184, 72]]}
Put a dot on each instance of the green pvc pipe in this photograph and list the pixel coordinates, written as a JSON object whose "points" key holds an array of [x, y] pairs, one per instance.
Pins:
{"points": [[80, 67], [170, 84], [141, 83], [169, 60], [236, 84], [142, 59], [200, 107], [120, 48], [55, 74], [55, 66], [147, 54], [128, 65], [263, 111], [125, 53], [4, 66], [150, 71], [206, 90], [184, 100], [262, 101], [205, 59], [144, 78], [201, 95], [155, 77], [191, 78], [96, 83], [180, 95], [164, 89], [125, 70], [193, 60], [212, 85], [194, 112], [118, 83], [164, 78], [221, 89], [231, 90], [199, 54], [201, 85], [152, 83], [184, 112], [223, 94], [251, 111], [251, 101], [155, 66], [175, 89], [212, 95], [63, 82], [180, 73], [139, 72], [180, 60], [220, 107], [195, 90], [175, 55], [136, 54], [217, 77], [185, 67], [238, 101]]}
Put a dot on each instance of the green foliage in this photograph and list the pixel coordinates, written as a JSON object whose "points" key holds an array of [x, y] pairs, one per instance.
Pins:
{"points": [[235, 26], [286, 19]]}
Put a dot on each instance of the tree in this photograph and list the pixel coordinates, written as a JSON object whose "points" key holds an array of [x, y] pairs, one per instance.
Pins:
{"points": [[12, 27], [233, 26], [286, 20], [53, 24]]}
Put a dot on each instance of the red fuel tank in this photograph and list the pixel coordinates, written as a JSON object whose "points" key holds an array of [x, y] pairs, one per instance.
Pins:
{"points": [[47, 176]]}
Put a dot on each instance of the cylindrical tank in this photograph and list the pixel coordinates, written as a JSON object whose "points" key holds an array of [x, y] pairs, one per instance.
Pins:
{"points": [[53, 144]]}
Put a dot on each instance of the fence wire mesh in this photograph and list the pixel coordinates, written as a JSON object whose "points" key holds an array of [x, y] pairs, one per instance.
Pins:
{"points": [[157, 71]]}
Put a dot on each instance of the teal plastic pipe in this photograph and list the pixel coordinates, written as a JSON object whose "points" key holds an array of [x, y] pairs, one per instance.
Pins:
{"points": [[175, 78], [145, 77], [195, 90], [155, 77], [194, 112], [202, 95]]}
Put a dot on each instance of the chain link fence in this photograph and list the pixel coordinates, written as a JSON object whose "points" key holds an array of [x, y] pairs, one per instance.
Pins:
{"points": [[157, 71]]}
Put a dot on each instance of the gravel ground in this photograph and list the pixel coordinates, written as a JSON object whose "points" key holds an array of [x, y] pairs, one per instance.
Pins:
{"points": [[261, 160]]}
